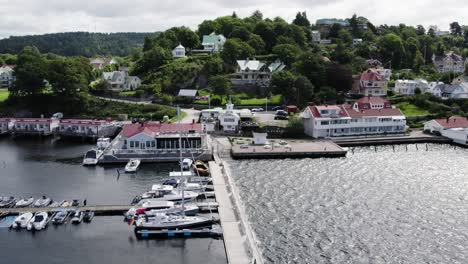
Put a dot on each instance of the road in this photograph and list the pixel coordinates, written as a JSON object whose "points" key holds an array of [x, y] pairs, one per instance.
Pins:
{"points": [[192, 114]]}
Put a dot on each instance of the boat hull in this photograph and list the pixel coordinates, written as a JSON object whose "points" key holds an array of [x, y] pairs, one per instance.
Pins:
{"points": [[197, 224]]}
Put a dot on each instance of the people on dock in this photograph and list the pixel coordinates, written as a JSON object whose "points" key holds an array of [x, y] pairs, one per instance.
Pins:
{"points": [[84, 202]]}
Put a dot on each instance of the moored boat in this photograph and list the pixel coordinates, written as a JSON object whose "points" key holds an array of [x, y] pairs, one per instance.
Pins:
{"points": [[132, 166], [77, 217], [171, 222], [7, 202], [201, 168], [187, 164], [88, 216], [92, 156], [60, 217], [25, 202], [42, 202], [22, 220], [38, 222]]}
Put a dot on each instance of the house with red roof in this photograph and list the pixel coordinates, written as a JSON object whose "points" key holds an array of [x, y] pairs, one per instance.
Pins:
{"points": [[367, 116], [455, 128], [87, 128], [158, 136], [370, 83], [35, 126]]}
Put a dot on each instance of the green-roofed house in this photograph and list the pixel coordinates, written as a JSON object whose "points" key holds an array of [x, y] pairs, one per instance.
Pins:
{"points": [[213, 42]]}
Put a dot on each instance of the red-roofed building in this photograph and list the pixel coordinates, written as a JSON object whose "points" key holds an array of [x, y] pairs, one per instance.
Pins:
{"points": [[455, 128], [35, 126], [158, 136], [370, 83], [368, 116], [87, 128]]}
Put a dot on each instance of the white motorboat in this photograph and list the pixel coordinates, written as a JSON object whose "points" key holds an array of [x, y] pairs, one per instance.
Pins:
{"points": [[25, 202], [92, 156], [194, 187], [38, 222], [60, 218], [77, 217], [173, 196], [54, 204], [187, 164], [22, 220], [132, 165], [65, 203], [7, 202], [103, 143], [42, 202]]}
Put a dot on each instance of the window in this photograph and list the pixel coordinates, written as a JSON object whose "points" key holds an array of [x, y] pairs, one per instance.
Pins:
{"points": [[324, 123], [148, 144], [132, 144]]}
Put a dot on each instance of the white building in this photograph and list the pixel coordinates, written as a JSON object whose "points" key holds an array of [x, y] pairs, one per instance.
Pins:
{"points": [[7, 76], [408, 87], [213, 42], [259, 138], [457, 91], [35, 126], [229, 120], [121, 81], [368, 116], [384, 73], [316, 36], [435, 88], [455, 128], [254, 72], [100, 63], [178, 52], [450, 62]]}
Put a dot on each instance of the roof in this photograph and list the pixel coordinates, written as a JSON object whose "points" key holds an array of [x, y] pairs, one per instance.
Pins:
{"points": [[372, 100], [34, 120], [276, 66], [130, 130], [212, 38], [372, 112], [370, 75], [453, 122], [331, 21], [253, 65], [188, 92], [83, 122], [449, 56], [315, 110]]}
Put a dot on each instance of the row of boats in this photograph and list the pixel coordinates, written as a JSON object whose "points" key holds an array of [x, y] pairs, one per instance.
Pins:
{"points": [[39, 221], [198, 166], [12, 202]]}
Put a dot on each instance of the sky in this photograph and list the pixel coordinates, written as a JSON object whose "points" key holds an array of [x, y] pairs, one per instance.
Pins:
{"points": [[26, 17]]}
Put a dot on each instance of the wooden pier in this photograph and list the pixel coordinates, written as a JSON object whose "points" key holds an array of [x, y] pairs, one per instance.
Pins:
{"points": [[99, 210]]}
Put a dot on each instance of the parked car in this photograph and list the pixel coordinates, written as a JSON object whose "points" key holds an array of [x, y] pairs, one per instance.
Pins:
{"points": [[281, 112], [257, 109], [281, 117], [276, 108]]}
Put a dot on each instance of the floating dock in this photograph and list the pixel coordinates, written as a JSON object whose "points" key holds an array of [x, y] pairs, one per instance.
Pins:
{"points": [[214, 232], [99, 210], [357, 142], [293, 149]]}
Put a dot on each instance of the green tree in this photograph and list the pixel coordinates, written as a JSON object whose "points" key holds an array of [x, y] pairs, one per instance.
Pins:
{"points": [[257, 43], [67, 77], [420, 30], [418, 61], [304, 89], [312, 66], [455, 29], [257, 15], [354, 25], [266, 32], [207, 27], [152, 59], [220, 85], [283, 83], [391, 48], [345, 37], [30, 72], [235, 49], [287, 53], [187, 37], [301, 19]]}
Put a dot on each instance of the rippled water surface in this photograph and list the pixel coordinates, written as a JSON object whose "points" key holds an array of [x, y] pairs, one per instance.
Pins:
{"points": [[384, 206]]}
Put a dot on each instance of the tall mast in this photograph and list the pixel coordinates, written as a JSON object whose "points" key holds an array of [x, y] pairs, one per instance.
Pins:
{"points": [[180, 163]]}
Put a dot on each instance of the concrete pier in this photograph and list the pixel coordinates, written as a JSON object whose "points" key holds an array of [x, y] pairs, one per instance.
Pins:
{"points": [[239, 240]]}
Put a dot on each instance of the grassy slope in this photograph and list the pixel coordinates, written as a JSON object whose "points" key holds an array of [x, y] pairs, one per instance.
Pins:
{"points": [[3, 95], [411, 110]]}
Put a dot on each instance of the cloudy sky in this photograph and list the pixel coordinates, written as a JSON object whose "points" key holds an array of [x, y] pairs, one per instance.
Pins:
{"points": [[22, 17]]}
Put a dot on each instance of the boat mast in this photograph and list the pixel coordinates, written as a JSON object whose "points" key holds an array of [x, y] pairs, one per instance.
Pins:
{"points": [[181, 164]]}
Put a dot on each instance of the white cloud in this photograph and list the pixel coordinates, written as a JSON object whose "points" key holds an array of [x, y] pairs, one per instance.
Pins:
{"points": [[21, 17]]}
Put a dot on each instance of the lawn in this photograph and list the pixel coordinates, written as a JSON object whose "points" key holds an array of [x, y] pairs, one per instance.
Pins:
{"points": [[411, 110], [127, 93], [3, 95], [244, 100]]}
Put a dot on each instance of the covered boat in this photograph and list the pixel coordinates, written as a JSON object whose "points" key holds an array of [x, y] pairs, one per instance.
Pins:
{"points": [[38, 222]]}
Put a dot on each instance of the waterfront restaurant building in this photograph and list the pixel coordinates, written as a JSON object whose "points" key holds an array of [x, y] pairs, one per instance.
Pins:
{"points": [[156, 136], [35, 126], [367, 116], [86, 128]]}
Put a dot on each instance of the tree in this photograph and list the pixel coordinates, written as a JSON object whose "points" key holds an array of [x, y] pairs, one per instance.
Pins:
{"points": [[187, 37], [283, 83], [312, 66], [304, 89], [335, 28], [257, 15], [67, 77], [257, 43], [420, 30], [417, 90], [345, 37], [207, 27], [301, 20], [354, 25], [30, 72], [418, 61], [431, 32], [391, 48], [234, 15], [266, 32], [152, 59], [287, 53], [240, 32], [235, 49], [455, 29], [466, 69], [220, 85]]}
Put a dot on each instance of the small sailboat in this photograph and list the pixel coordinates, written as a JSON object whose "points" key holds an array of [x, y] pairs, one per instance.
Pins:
{"points": [[38, 222], [25, 202], [22, 220], [201, 168], [42, 202], [132, 165]]}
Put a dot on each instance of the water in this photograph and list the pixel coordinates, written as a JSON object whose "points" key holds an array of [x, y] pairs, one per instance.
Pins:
{"points": [[370, 207], [32, 167]]}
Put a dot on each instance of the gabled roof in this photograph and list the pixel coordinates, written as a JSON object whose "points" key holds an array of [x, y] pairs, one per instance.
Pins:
{"points": [[448, 56], [372, 112], [188, 92], [212, 38], [130, 130], [314, 109], [372, 100], [252, 65], [371, 76], [276, 66], [453, 122]]}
